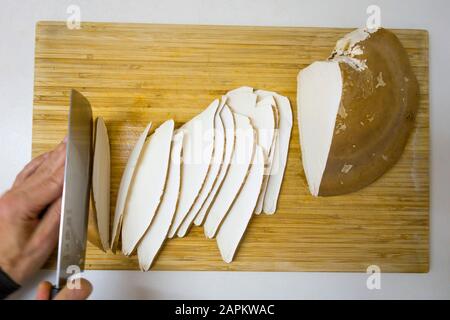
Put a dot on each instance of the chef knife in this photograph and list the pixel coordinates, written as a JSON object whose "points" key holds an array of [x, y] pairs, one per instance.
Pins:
{"points": [[75, 197]]}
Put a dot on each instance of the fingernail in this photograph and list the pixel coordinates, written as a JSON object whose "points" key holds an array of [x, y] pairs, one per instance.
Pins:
{"points": [[65, 139]]}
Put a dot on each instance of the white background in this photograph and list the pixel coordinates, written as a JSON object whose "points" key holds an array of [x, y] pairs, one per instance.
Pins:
{"points": [[17, 27]]}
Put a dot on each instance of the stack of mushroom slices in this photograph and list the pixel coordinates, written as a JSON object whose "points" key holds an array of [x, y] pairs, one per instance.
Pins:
{"points": [[215, 171]]}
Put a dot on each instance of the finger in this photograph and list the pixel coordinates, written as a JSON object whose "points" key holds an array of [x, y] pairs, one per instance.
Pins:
{"points": [[29, 169], [41, 244], [44, 186], [45, 237], [80, 292], [55, 158], [44, 291]]}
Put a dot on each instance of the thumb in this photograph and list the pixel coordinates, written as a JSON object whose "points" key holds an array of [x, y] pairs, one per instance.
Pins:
{"points": [[81, 292], [44, 290]]}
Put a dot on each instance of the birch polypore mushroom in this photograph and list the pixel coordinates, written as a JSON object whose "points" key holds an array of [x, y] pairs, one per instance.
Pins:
{"points": [[355, 112], [235, 178], [147, 186], [211, 177], [153, 239], [125, 185], [238, 218], [229, 129], [101, 181], [198, 145]]}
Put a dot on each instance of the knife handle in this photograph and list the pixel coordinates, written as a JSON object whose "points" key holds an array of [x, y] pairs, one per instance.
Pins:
{"points": [[54, 292]]}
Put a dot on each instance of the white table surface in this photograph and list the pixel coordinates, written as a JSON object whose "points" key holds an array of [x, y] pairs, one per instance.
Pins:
{"points": [[17, 27]]}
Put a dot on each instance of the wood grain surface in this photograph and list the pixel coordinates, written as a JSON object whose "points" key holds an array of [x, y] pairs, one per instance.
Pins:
{"points": [[136, 73]]}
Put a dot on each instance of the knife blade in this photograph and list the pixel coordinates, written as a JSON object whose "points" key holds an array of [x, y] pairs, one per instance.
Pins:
{"points": [[76, 191]]}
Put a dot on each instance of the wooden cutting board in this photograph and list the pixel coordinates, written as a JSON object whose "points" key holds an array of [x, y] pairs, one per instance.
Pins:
{"points": [[136, 73]]}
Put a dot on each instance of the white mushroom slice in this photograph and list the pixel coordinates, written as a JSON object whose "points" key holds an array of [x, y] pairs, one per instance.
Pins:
{"points": [[101, 181], [238, 218], [270, 156], [216, 164], [229, 128], [318, 112], [125, 182], [240, 90], [235, 178], [261, 114], [281, 150], [154, 238], [198, 145], [147, 186]]}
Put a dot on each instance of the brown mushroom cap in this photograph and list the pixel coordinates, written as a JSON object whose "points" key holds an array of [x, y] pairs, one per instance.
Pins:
{"points": [[375, 118]]}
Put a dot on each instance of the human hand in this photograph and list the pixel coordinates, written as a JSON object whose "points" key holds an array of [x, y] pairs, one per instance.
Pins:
{"points": [[80, 293], [30, 214]]}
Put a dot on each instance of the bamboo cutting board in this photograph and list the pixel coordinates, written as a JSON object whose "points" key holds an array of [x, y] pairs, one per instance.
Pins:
{"points": [[136, 73]]}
